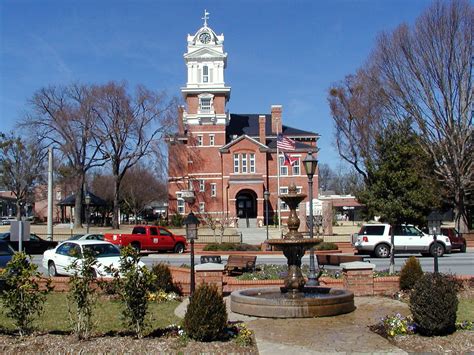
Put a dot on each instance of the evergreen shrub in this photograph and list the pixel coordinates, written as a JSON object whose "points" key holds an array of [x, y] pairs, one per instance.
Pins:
{"points": [[434, 303], [410, 273], [326, 246], [163, 279], [177, 220], [206, 316], [230, 247]]}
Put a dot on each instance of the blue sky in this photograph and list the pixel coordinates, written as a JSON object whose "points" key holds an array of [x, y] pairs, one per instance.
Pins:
{"points": [[279, 52]]}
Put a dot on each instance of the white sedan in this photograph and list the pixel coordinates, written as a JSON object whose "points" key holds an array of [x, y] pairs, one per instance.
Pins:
{"points": [[60, 260]]}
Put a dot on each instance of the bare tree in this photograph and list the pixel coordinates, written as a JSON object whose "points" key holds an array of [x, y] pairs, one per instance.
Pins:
{"points": [[426, 71], [22, 168], [127, 126], [103, 186], [63, 117], [138, 195], [357, 112]]}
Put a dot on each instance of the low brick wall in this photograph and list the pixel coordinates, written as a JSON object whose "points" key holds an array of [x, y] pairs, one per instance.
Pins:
{"points": [[385, 286]]}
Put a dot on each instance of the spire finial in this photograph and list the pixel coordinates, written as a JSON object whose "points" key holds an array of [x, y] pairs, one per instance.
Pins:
{"points": [[206, 17]]}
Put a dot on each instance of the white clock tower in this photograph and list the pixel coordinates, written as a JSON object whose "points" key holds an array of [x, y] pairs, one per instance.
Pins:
{"points": [[205, 92]]}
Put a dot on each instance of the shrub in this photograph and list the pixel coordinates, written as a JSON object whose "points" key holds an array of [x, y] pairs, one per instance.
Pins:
{"points": [[230, 247], [206, 316], [163, 280], [327, 246], [133, 283], [434, 303], [22, 296], [410, 273], [176, 220]]}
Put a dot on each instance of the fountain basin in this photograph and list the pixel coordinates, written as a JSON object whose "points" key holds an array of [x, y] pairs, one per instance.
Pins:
{"points": [[310, 302]]}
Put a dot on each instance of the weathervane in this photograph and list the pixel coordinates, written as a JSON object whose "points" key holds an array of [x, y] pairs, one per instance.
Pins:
{"points": [[206, 17]]}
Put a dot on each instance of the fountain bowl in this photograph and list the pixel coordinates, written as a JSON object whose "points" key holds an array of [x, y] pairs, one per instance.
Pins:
{"points": [[311, 302]]}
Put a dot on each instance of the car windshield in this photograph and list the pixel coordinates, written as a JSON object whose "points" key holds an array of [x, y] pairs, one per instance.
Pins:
{"points": [[103, 250]]}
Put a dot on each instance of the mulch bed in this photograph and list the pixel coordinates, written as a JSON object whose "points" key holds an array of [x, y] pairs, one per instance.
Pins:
{"points": [[61, 343]]}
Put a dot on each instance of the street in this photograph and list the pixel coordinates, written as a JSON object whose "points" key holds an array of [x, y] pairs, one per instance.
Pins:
{"points": [[455, 263]]}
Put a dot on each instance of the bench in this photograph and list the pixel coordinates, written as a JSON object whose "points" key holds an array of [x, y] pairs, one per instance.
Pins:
{"points": [[337, 259], [211, 259], [240, 263]]}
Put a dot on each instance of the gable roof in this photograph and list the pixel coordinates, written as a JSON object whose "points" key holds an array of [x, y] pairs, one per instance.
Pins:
{"points": [[235, 141]]}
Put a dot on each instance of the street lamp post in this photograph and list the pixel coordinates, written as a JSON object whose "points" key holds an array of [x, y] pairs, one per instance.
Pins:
{"points": [[266, 196], [434, 225], [191, 222], [310, 163], [88, 202]]}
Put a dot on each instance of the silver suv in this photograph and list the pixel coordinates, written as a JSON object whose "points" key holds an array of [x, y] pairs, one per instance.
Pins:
{"points": [[375, 239]]}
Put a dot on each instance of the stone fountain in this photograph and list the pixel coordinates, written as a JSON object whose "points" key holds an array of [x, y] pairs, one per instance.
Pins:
{"points": [[294, 300]]}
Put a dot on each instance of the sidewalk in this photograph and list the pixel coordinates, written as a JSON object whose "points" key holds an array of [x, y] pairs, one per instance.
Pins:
{"points": [[348, 333]]}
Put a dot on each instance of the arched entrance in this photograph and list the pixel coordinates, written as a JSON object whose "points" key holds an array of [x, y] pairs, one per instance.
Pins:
{"points": [[246, 204]]}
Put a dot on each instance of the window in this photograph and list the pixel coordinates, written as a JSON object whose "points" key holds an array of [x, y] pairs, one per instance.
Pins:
{"points": [[139, 230], [202, 207], [199, 140], [165, 232], [283, 205], [252, 162], [244, 163], [296, 166], [153, 231], [213, 190], [211, 140], [283, 167], [202, 186], [205, 74], [206, 105], [236, 163], [180, 205]]}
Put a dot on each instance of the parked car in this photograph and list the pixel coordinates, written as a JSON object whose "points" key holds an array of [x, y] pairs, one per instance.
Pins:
{"points": [[376, 239], [149, 238], [89, 236], [6, 221], [35, 245], [60, 260], [6, 253], [456, 238]]}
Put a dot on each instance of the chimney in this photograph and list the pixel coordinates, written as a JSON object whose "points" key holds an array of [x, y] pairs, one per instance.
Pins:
{"points": [[276, 119], [180, 120], [261, 129]]}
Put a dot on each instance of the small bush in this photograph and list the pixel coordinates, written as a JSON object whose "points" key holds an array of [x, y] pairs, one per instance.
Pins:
{"points": [[176, 220], [22, 296], [206, 316], [230, 247], [133, 282], [163, 279], [410, 273], [326, 246], [82, 295], [434, 303]]}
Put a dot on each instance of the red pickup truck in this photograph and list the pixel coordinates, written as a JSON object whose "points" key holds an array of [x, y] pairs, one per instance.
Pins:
{"points": [[149, 238]]}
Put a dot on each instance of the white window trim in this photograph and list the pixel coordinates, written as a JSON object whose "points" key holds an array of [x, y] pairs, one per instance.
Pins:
{"points": [[283, 167], [252, 167], [283, 205], [298, 165], [236, 163], [200, 140], [213, 189], [243, 158], [212, 140], [202, 185], [211, 108], [202, 207], [180, 204]]}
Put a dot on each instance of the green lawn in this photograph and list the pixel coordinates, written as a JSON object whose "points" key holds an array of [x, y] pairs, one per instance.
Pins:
{"points": [[466, 310], [107, 315]]}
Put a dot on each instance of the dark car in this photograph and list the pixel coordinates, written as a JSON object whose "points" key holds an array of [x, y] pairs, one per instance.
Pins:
{"points": [[456, 238], [35, 245], [6, 253]]}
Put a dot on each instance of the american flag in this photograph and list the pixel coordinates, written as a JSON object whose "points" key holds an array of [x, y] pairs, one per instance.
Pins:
{"points": [[285, 143], [289, 160]]}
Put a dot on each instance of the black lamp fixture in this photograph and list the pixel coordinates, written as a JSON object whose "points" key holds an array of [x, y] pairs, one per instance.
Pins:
{"points": [[310, 164], [87, 200], [434, 226], [191, 223], [266, 197]]}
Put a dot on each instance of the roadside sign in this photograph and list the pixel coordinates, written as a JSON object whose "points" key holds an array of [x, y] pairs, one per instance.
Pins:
{"points": [[16, 229]]}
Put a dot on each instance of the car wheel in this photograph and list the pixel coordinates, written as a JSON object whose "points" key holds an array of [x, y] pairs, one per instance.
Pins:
{"points": [[52, 269], [382, 251], [463, 248], [438, 249], [179, 248], [136, 246]]}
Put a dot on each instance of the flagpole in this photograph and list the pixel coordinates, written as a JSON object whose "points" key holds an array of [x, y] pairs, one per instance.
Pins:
{"points": [[278, 183]]}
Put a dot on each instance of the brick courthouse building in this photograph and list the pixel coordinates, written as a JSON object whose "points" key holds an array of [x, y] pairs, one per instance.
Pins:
{"points": [[229, 160]]}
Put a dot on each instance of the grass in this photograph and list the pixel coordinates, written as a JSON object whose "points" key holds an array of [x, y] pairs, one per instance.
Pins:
{"points": [[465, 310], [107, 316]]}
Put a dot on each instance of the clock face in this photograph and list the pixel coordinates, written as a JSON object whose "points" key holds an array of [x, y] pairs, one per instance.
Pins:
{"points": [[205, 37]]}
